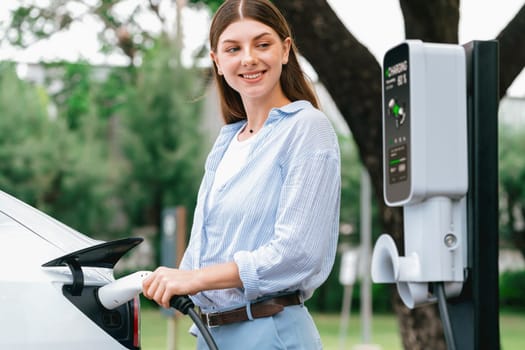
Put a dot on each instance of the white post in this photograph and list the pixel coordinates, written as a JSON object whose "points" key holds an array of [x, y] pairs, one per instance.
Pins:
{"points": [[347, 277], [171, 337], [365, 258], [345, 315], [366, 243]]}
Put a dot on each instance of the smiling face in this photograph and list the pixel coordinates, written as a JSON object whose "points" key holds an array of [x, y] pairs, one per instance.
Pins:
{"points": [[250, 56]]}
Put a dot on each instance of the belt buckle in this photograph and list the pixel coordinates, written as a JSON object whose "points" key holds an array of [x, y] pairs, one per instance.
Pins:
{"points": [[208, 321]]}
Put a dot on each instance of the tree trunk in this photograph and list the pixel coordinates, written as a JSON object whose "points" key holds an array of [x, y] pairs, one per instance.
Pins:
{"points": [[512, 50], [352, 76], [431, 21]]}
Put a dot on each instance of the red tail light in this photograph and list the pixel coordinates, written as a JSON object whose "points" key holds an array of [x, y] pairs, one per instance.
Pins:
{"points": [[136, 322]]}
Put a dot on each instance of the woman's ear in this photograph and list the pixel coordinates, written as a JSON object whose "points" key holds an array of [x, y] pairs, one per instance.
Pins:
{"points": [[216, 61], [287, 44]]}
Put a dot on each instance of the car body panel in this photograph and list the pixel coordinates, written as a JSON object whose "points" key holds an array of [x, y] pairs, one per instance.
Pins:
{"points": [[34, 310], [27, 324], [43, 225]]}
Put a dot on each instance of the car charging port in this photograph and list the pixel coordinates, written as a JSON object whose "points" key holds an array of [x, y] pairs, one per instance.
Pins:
{"points": [[119, 322]]}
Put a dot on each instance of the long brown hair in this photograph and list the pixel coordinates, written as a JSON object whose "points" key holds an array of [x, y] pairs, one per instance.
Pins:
{"points": [[295, 84]]}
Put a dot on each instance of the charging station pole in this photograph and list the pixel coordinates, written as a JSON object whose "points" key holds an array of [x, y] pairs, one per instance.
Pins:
{"points": [[474, 315], [440, 162]]}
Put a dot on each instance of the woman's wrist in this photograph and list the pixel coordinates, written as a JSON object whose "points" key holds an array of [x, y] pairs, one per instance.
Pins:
{"points": [[199, 281], [220, 276]]}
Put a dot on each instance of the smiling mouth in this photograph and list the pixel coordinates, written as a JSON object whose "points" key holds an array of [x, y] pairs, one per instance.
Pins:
{"points": [[252, 76]]}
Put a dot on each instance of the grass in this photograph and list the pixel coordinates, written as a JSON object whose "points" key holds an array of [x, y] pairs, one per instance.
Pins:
{"points": [[384, 331]]}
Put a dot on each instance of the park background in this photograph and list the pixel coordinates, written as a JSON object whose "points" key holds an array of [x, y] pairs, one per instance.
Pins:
{"points": [[107, 115]]}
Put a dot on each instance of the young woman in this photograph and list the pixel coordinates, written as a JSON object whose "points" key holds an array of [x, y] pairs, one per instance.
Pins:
{"points": [[266, 222]]}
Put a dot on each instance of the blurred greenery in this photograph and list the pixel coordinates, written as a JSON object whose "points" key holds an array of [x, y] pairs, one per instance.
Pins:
{"points": [[212, 4], [511, 287], [108, 149], [47, 164], [512, 185], [161, 138]]}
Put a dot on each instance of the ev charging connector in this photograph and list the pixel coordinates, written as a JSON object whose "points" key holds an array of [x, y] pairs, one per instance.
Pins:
{"points": [[120, 291], [425, 168]]}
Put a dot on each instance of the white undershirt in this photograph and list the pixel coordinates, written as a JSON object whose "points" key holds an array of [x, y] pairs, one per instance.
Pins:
{"points": [[231, 163]]}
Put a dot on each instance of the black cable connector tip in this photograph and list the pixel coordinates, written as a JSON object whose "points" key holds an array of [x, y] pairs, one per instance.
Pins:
{"points": [[182, 303]]}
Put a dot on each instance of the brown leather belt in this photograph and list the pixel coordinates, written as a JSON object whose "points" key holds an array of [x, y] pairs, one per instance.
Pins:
{"points": [[264, 308]]}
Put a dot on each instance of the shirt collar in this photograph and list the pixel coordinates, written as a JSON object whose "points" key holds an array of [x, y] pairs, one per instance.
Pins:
{"points": [[288, 109], [274, 115]]}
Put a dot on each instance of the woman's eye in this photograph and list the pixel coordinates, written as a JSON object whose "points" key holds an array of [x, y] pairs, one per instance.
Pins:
{"points": [[232, 49], [263, 45]]}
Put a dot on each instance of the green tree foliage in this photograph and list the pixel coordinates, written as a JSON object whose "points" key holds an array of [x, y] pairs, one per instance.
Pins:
{"points": [[128, 143], [160, 135], [114, 153], [45, 163], [33, 20], [351, 181], [511, 286], [212, 4], [24, 141], [74, 98]]}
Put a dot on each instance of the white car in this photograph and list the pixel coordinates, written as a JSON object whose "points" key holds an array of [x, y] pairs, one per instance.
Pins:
{"points": [[49, 277]]}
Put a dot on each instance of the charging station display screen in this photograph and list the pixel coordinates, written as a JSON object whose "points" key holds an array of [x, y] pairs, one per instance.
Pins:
{"points": [[396, 122]]}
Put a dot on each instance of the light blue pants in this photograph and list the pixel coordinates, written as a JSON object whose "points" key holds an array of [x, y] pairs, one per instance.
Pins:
{"points": [[292, 328]]}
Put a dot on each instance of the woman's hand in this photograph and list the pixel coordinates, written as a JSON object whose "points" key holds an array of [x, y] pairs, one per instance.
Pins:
{"points": [[166, 282]]}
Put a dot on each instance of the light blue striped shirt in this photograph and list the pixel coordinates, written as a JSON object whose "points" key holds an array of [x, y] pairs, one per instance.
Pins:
{"points": [[278, 217]]}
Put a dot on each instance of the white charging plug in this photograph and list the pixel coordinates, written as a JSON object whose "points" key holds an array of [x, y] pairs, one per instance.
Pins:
{"points": [[119, 292]]}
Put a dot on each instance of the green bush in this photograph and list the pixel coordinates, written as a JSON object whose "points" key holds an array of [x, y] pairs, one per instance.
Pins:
{"points": [[511, 287]]}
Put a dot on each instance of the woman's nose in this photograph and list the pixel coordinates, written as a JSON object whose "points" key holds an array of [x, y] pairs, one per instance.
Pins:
{"points": [[248, 58]]}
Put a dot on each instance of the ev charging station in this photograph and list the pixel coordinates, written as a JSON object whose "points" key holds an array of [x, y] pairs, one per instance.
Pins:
{"points": [[440, 164]]}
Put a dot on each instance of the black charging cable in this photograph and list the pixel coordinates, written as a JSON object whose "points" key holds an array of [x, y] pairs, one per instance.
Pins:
{"points": [[439, 289], [186, 306]]}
